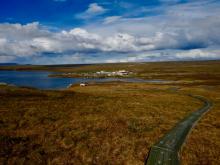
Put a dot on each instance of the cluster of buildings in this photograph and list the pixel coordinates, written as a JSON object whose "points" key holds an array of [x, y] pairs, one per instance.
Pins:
{"points": [[115, 73], [96, 74], [106, 74]]}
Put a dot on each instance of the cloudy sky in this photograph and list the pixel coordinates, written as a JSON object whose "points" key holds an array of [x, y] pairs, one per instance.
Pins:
{"points": [[94, 31]]}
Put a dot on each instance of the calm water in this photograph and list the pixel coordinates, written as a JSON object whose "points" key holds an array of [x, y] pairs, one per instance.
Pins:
{"points": [[40, 79]]}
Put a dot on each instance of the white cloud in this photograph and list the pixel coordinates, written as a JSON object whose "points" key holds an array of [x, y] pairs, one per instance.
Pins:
{"points": [[199, 54], [93, 10], [32, 40], [6, 58], [60, 59], [168, 55], [111, 19], [184, 31]]}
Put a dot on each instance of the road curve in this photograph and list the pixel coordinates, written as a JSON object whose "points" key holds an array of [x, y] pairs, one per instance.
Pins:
{"points": [[165, 151]]}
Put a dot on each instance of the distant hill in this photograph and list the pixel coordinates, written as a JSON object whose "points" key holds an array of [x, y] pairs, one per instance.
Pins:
{"points": [[8, 64]]}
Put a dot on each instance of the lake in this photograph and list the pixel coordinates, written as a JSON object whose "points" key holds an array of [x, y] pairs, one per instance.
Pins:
{"points": [[40, 79]]}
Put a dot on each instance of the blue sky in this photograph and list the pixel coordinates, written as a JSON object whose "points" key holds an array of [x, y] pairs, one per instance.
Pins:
{"points": [[63, 13], [88, 31]]}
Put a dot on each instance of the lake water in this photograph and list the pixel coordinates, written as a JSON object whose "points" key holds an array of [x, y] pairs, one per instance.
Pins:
{"points": [[40, 79]]}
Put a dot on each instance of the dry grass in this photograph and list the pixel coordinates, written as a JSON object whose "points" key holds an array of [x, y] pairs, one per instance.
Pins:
{"points": [[203, 144], [111, 123]]}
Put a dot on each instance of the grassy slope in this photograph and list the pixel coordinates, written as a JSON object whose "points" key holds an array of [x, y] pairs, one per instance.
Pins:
{"points": [[104, 124]]}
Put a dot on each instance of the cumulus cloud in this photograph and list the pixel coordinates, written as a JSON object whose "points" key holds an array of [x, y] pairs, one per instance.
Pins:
{"points": [[184, 31], [31, 40], [16, 39], [93, 10]]}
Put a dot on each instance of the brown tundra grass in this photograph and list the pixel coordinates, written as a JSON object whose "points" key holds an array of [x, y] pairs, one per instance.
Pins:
{"points": [[112, 123], [100, 124]]}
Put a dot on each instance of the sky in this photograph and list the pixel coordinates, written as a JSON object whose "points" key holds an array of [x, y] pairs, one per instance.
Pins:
{"points": [[108, 31]]}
